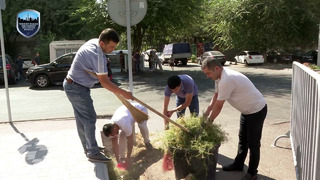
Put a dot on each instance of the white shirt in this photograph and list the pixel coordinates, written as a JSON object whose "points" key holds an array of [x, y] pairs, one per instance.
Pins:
{"points": [[239, 91], [123, 118]]}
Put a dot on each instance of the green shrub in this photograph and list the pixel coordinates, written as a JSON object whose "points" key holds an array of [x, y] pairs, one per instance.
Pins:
{"points": [[193, 58], [202, 138]]}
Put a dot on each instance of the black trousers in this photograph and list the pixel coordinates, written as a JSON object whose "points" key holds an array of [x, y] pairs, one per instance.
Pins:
{"points": [[249, 138]]}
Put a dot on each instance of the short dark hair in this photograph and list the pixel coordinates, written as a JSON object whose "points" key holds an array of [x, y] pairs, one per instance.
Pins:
{"points": [[210, 63], [173, 82], [107, 129], [109, 35]]}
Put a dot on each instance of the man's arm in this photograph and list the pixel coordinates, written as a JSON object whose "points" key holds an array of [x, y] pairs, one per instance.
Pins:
{"points": [[210, 107], [165, 105], [115, 147], [106, 83], [184, 105], [216, 110]]}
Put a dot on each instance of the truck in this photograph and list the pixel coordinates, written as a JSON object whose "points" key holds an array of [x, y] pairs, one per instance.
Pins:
{"points": [[58, 48], [180, 52]]}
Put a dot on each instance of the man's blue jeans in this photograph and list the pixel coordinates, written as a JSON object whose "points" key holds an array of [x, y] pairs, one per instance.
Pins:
{"points": [[193, 107], [85, 115]]}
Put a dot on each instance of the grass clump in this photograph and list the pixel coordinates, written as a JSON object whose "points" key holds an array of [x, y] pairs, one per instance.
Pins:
{"points": [[203, 138], [314, 67]]}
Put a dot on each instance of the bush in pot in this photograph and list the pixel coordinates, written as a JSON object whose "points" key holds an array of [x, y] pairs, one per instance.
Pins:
{"points": [[197, 152]]}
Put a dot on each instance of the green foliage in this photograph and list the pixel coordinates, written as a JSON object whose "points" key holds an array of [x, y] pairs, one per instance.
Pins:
{"points": [[314, 67], [202, 139], [193, 58], [263, 24], [43, 47], [241, 24]]}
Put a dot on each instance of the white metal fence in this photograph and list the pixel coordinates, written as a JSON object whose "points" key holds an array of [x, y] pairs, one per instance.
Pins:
{"points": [[305, 122]]}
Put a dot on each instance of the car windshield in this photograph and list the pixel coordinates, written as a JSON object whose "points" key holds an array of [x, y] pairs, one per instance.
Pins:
{"points": [[254, 53], [216, 53]]}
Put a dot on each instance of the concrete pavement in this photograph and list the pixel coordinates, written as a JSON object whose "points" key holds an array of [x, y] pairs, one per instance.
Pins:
{"points": [[50, 149]]}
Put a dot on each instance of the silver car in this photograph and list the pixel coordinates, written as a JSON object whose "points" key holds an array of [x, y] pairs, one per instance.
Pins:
{"points": [[213, 54]]}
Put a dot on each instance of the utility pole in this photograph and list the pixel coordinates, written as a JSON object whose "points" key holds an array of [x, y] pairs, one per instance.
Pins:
{"points": [[318, 60]]}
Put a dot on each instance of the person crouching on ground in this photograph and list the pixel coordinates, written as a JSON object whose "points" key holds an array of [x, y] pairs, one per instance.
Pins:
{"points": [[123, 120]]}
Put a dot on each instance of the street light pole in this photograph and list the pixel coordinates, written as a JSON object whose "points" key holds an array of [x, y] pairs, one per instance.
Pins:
{"points": [[318, 60], [4, 66]]}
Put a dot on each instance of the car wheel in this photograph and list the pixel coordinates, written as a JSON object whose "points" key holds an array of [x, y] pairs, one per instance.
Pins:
{"points": [[245, 62], [235, 61], [42, 81], [275, 60], [184, 62]]}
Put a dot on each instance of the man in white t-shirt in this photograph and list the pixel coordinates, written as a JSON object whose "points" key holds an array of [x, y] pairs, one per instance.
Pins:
{"points": [[239, 91], [123, 120]]}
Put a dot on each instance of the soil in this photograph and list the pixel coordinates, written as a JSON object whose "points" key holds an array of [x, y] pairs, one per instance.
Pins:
{"points": [[144, 164]]}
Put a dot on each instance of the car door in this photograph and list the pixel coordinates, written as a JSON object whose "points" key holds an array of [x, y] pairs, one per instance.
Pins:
{"points": [[242, 56], [204, 56], [60, 68]]}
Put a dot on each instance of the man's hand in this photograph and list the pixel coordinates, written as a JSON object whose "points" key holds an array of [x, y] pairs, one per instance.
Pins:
{"points": [[169, 114], [128, 95], [209, 121]]}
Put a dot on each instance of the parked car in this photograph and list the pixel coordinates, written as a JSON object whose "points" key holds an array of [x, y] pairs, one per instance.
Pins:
{"points": [[213, 54], [274, 56], [27, 63], [249, 57], [146, 54], [12, 70], [160, 56], [310, 57], [297, 55], [45, 74]]}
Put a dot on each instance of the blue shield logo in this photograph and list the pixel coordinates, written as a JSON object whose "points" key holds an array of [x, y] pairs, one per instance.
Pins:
{"points": [[28, 22]]}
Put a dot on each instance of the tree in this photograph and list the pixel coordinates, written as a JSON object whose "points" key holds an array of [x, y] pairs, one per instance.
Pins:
{"points": [[56, 21], [165, 21], [263, 24]]}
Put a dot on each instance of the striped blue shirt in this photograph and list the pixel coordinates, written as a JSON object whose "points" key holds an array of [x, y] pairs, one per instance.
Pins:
{"points": [[88, 58]]}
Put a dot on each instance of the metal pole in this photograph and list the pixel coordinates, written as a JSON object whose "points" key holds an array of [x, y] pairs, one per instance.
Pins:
{"points": [[4, 65], [128, 16], [318, 60]]}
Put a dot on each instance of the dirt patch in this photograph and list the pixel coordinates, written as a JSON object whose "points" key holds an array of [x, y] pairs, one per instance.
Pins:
{"points": [[144, 164]]}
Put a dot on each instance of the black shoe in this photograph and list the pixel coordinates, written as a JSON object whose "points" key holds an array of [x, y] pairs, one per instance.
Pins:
{"points": [[250, 177], [232, 167], [101, 149], [149, 146], [99, 158]]}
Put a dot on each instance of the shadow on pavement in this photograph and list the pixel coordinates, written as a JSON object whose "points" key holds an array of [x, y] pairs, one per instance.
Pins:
{"points": [[220, 174], [101, 171], [35, 153]]}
